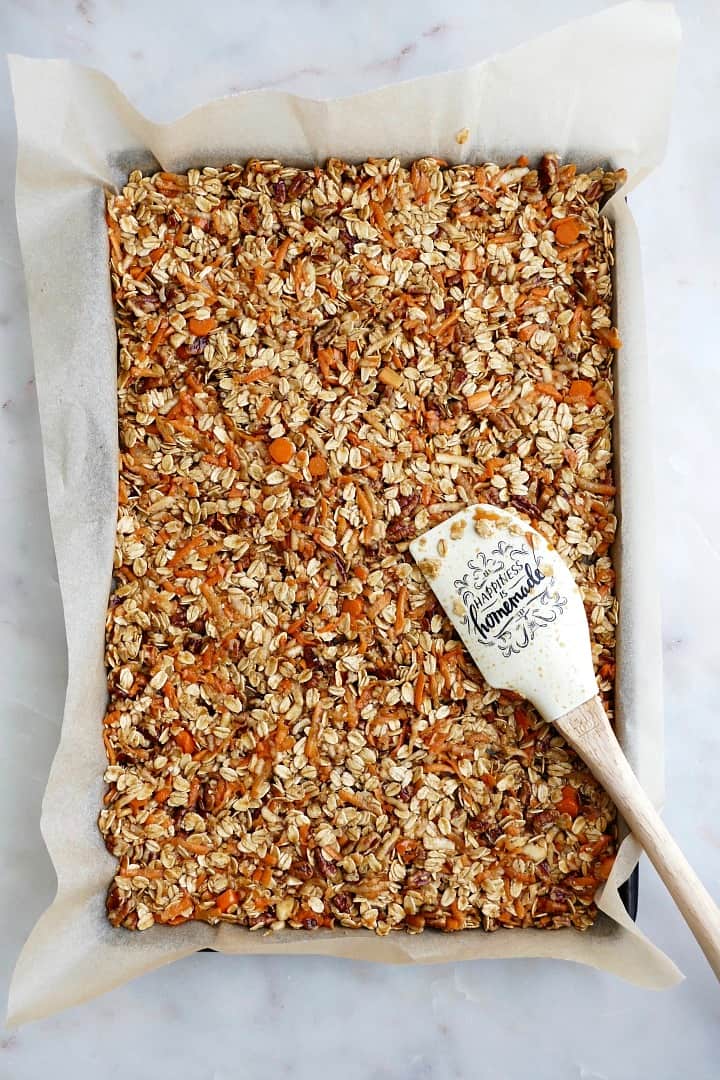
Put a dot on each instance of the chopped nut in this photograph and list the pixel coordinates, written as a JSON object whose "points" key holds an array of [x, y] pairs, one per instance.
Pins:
{"points": [[389, 377], [284, 908]]}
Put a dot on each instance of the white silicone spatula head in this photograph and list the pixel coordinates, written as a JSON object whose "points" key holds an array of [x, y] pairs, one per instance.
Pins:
{"points": [[514, 603]]}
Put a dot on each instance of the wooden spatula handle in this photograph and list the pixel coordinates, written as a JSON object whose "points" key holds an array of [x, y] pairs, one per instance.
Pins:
{"points": [[588, 731]]}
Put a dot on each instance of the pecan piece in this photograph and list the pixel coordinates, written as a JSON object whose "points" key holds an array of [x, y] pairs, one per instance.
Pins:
{"points": [[548, 171], [525, 506]]}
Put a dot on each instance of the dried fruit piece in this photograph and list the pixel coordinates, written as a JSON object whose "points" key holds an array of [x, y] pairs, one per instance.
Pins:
{"points": [[579, 390], [317, 466], [281, 451], [353, 606], [567, 231]]}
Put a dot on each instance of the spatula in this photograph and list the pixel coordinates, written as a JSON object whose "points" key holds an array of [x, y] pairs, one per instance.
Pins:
{"points": [[515, 605]]}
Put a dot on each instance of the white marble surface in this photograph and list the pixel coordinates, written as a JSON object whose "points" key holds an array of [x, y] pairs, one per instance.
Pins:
{"points": [[215, 1018]]}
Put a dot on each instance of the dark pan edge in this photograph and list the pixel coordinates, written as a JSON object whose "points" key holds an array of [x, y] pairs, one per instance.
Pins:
{"points": [[629, 893]]}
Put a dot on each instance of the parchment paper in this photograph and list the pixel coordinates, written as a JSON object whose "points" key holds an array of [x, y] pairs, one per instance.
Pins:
{"points": [[597, 90]]}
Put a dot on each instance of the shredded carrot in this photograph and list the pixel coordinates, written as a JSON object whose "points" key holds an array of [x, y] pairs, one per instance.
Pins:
{"points": [[152, 873], [401, 603], [491, 467], [311, 742], [226, 900], [604, 868], [527, 331], [365, 505], [256, 375], [356, 799], [281, 252], [478, 400], [263, 408], [382, 602], [353, 606], [441, 327], [201, 327], [574, 324], [185, 741], [419, 694], [551, 391], [584, 882], [610, 337], [522, 720], [169, 691], [596, 487], [139, 273], [194, 286], [192, 544], [159, 336], [569, 804]]}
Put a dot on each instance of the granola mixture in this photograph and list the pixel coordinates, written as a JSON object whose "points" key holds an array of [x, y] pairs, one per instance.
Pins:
{"points": [[315, 366]]}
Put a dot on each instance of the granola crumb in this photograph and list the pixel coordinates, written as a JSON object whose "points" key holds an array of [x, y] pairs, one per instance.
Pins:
{"points": [[430, 567], [483, 527]]}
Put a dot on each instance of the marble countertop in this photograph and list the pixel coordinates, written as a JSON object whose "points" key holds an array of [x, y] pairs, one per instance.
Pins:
{"points": [[217, 1018]]}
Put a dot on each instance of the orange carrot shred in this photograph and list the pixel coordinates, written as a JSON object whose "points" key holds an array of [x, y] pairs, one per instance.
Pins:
{"points": [[201, 327], [281, 252], [226, 900], [353, 606], [185, 741]]}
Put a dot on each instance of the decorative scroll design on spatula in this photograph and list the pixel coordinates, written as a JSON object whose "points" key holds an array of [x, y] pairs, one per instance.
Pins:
{"points": [[508, 597]]}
